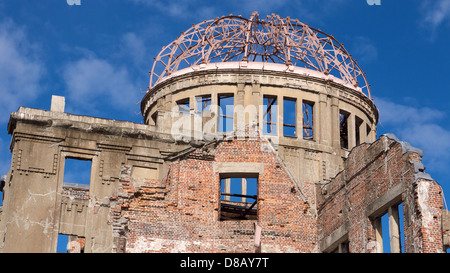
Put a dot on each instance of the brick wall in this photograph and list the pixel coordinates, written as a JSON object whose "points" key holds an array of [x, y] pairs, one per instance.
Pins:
{"points": [[360, 193], [181, 212]]}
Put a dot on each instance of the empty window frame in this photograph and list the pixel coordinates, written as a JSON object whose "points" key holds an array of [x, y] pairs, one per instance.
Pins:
{"points": [[289, 117], [343, 128], [388, 229], [308, 115], [183, 106], [77, 171], [226, 112], [270, 115], [238, 198], [62, 244], [203, 104], [70, 244]]}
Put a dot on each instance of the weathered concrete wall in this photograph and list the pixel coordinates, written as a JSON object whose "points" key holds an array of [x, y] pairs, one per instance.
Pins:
{"points": [[36, 205], [376, 177]]}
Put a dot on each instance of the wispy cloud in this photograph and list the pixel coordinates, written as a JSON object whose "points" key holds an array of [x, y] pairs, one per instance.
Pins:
{"points": [[20, 69], [182, 9], [422, 127], [132, 46], [189, 10], [434, 14], [363, 49], [94, 84]]}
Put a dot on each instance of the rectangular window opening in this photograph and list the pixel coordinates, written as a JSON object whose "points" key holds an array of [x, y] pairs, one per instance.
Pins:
{"points": [[308, 129], [226, 108], [238, 198], [270, 115], [343, 128], [203, 104], [391, 230], [183, 106], [62, 244], [77, 171], [289, 117]]}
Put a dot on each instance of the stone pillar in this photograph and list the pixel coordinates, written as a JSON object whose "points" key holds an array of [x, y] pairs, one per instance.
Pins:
{"points": [[394, 229]]}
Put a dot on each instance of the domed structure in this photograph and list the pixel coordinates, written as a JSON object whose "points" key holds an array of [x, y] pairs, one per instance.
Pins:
{"points": [[272, 40], [295, 84]]}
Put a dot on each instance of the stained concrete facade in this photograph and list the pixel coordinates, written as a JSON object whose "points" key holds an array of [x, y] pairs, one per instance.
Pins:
{"points": [[162, 186]]}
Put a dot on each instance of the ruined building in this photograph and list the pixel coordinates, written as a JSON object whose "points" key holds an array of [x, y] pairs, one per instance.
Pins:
{"points": [[259, 135]]}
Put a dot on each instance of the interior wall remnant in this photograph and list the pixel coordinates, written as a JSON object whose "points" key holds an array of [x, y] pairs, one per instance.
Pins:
{"points": [[376, 178]]}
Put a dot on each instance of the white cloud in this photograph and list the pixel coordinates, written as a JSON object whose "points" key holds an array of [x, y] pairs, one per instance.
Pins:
{"points": [[186, 9], [133, 46], [363, 49], [421, 127], [94, 85], [435, 12], [20, 70]]}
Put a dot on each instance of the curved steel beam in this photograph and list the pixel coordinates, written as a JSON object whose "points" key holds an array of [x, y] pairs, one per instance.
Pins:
{"points": [[274, 39]]}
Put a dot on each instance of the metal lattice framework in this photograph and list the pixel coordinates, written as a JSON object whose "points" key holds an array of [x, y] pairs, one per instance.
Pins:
{"points": [[274, 40]]}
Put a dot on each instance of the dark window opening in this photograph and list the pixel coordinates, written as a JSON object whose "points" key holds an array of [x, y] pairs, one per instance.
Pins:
{"points": [[368, 130], [154, 117], [289, 117], [308, 129], [77, 171], [270, 115], [358, 124], [343, 129], [183, 106], [226, 108], [238, 198]]}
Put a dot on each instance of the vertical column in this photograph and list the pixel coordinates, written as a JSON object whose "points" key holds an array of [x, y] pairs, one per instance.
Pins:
{"points": [[214, 111], [335, 136], [251, 105], [351, 131], [192, 105], [227, 188], [238, 113], [299, 118], [244, 189], [378, 234], [362, 132], [323, 121], [394, 229], [257, 101], [279, 111]]}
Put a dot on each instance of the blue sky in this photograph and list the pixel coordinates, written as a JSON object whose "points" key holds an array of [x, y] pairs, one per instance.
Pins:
{"points": [[98, 56]]}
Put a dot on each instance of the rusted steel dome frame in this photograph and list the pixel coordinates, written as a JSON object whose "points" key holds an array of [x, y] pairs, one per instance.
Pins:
{"points": [[273, 40]]}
